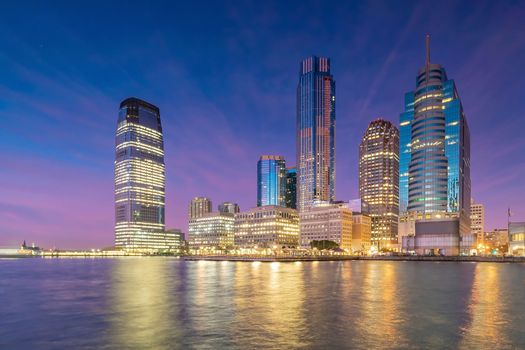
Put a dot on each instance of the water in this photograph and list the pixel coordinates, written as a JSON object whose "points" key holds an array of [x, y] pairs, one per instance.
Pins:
{"points": [[161, 303]]}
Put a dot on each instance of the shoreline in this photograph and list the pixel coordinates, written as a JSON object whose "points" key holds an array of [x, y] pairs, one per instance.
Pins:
{"points": [[475, 259], [357, 258]]}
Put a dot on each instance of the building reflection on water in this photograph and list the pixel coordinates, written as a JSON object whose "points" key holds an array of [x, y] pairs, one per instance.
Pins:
{"points": [[167, 303], [486, 309], [138, 298], [381, 317], [269, 306]]}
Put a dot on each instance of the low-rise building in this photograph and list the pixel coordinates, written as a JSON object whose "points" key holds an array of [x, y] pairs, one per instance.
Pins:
{"points": [[211, 230], [331, 222], [517, 238], [176, 240], [361, 232], [267, 227]]}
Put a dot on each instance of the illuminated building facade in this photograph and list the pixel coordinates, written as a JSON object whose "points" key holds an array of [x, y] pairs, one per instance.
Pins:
{"points": [[332, 222], [271, 181], [517, 238], [267, 227], [477, 221], [198, 207], [291, 188], [139, 178], [229, 207], [361, 232], [495, 241], [315, 142], [211, 230], [405, 135], [379, 180], [439, 163]]}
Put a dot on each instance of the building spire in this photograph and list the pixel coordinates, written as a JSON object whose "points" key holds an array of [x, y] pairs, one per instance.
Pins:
{"points": [[427, 44]]}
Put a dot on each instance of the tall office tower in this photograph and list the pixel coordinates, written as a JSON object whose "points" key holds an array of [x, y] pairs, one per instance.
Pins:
{"points": [[439, 164], [477, 220], [198, 207], [405, 135], [228, 207], [291, 188], [379, 180], [139, 177], [271, 181], [315, 138]]}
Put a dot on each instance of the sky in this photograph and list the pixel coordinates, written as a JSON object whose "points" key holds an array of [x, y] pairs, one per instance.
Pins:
{"points": [[224, 75]]}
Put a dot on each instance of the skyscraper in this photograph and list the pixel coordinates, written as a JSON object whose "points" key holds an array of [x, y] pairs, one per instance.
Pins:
{"points": [[228, 207], [139, 177], [291, 188], [271, 181], [198, 207], [438, 175], [379, 180], [405, 135], [315, 142]]}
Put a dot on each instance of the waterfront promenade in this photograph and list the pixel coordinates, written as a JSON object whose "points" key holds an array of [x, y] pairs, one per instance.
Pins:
{"points": [[287, 258]]}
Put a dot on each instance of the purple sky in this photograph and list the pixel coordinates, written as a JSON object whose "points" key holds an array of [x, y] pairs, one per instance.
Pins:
{"points": [[224, 77]]}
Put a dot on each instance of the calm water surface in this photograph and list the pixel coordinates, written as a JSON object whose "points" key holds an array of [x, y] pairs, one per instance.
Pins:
{"points": [[161, 303]]}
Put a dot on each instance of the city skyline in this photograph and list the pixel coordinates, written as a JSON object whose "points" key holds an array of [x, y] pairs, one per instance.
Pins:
{"points": [[48, 104]]}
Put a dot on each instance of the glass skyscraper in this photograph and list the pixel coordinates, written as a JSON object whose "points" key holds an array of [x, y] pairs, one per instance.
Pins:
{"points": [[271, 181], [434, 182], [405, 134], [139, 178], [315, 142], [439, 147], [291, 188], [379, 180]]}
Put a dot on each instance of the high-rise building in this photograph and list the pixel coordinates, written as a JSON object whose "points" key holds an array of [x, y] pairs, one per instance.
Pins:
{"points": [[379, 180], [291, 188], [315, 142], [271, 181], [139, 178], [477, 221], [198, 207], [326, 222], [405, 135], [211, 230], [267, 227], [439, 163], [229, 207]]}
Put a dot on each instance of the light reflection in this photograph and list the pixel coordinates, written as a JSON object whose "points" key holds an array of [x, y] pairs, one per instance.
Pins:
{"points": [[380, 307], [138, 297], [271, 299], [486, 310]]}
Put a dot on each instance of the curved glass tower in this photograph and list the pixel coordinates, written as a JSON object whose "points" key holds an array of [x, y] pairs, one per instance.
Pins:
{"points": [[139, 177], [315, 133], [439, 163]]}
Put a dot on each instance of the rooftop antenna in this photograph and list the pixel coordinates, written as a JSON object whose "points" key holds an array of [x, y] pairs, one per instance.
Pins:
{"points": [[427, 44]]}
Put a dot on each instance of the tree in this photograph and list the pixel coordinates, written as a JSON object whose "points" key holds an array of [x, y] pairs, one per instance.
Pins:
{"points": [[323, 244]]}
